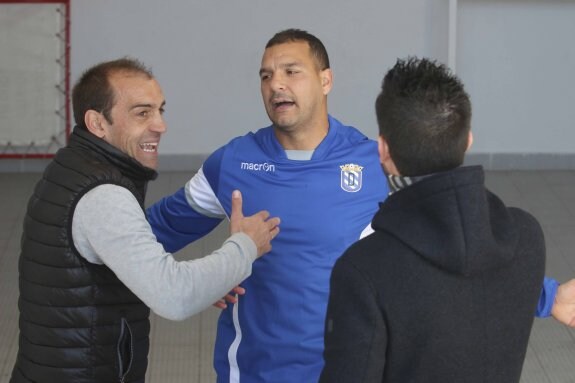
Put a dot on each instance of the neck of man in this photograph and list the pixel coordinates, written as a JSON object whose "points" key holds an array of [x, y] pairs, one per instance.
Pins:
{"points": [[304, 137]]}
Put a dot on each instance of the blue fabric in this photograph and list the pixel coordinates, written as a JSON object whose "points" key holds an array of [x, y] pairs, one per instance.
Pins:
{"points": [[547, 297], [175, 224]]}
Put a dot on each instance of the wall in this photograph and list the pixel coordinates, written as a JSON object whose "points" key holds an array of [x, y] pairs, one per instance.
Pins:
{"points": [[206, 55], [515, 57]]}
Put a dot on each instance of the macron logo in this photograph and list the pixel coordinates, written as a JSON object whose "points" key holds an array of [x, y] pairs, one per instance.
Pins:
{"points": [[263, 167]]}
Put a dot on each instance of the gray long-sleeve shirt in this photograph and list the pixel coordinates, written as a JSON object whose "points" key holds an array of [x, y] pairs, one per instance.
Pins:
{"points": [[109, 227]]}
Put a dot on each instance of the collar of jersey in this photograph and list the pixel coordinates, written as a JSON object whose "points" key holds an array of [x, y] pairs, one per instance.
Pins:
{"points": [[271, 144]]}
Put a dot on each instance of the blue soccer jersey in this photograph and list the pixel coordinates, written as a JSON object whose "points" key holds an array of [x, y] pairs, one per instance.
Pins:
{"points": [[275, 332]]}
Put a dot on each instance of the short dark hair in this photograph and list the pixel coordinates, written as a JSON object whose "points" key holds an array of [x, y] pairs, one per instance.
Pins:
{"points": [[316, 47], [94, 91], [424, 114]]}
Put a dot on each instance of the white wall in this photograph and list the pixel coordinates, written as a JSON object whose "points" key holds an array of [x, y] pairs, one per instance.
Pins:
{"points": [[206, 54], [515, 57]]}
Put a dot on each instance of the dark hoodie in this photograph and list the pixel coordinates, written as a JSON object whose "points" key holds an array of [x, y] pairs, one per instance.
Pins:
{"points": [[445, 290]]}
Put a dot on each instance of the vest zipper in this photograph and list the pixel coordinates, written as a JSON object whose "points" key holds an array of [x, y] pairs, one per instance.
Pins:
{"points": [[125, 343]]}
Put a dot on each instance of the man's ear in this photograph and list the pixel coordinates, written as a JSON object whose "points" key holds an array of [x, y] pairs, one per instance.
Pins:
{"points": [[383, 149], [469, 140], [385, 156], [94, 123], [326, 80]]}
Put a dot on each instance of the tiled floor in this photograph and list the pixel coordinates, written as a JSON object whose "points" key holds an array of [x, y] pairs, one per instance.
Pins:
{"points": [[182, 351]]}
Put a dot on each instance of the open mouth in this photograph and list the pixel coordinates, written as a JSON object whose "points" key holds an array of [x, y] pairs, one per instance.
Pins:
{"points": [[149, 147], [282, 104]]}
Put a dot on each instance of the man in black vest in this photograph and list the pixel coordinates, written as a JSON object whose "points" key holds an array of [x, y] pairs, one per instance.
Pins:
{"points": [[445, 288], [90, 266]]}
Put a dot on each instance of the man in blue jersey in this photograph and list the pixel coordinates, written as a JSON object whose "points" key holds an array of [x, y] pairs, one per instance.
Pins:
{"points": [[322, 177], [325, 182]]}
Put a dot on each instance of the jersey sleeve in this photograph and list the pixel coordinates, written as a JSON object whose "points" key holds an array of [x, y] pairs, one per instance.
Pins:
{"points": [[187, 215], [547, 297]]}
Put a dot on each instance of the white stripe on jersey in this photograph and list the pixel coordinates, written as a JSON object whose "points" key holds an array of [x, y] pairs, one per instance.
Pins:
{"points": [[201, 197], [233, 351]]}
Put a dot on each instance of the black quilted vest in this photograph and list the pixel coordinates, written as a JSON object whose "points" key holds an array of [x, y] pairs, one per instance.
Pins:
{"points": [[78, 322]]}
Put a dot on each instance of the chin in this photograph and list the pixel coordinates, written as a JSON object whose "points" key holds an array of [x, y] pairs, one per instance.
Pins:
{"points": [[152, 164], [284, 128]]}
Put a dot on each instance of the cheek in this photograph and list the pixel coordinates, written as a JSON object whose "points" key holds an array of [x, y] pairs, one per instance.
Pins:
{"points": [[265, 90], [125, 143], [113, 138], [266, 99], [306, 89]]}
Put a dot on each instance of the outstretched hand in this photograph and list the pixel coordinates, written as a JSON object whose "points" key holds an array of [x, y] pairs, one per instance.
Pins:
{"points": [[564, 305], [259, 227]]}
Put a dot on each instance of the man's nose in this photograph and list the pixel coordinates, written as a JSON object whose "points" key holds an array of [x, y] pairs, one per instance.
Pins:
{"points": [[160, 125], [277, 82]]}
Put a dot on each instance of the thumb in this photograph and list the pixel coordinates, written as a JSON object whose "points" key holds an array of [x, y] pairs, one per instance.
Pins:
{"points": [[237, 213]]}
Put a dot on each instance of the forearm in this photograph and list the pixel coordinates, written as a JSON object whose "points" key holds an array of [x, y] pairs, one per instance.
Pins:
{"points": [[110, 228], [177, 290]]}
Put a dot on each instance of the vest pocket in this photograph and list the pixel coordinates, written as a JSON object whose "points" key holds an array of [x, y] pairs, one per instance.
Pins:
{"points": [[125, 349]]}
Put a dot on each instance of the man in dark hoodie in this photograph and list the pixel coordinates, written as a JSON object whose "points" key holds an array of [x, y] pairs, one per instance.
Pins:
{"points": [[445, 288]]}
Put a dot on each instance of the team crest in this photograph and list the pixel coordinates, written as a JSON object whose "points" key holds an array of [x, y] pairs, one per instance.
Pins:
{"points": [[351, 177]]}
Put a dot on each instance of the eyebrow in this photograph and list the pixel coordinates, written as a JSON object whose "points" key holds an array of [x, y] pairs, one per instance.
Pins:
{"points": [[146, 105], [282, 66]]}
